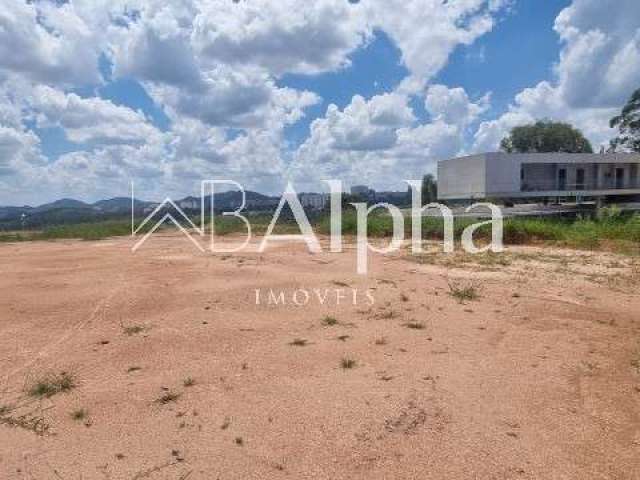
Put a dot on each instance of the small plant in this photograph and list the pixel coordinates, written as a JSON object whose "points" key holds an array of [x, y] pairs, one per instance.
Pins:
{"points": [[381, 341], [52, 384], [225, 423], [79, 414], [133, 330], [463, 293], [188, 382], [329, 321], [168, 397], [299, 342], [415, 325], [348, 363]]}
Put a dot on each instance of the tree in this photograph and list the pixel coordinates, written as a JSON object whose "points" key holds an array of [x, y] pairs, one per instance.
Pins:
{"points": [[429, 189], [546, 136], [628, 123]]}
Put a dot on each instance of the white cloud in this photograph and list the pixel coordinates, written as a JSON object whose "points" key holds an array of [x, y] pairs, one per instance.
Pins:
{"points": [[598, 69], [379, 141], [280, 37], [428, 31], [48, 42], [90, 119], [453, 106]]}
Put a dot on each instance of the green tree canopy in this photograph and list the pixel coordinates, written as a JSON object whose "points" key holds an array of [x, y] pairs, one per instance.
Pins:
{"points": [[546, 136], [628, 124], [429, 189]]}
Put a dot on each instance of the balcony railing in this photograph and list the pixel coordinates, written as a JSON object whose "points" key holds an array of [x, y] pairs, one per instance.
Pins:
{"points": [[554, 185]]}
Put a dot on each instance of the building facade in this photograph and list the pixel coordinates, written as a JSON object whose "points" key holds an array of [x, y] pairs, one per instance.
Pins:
{"points": [[539, 175]]}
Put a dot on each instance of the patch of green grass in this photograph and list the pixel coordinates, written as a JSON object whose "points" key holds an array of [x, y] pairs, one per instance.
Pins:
{"points": [[348, 363], [79, 414], [51, 385], [329, 321], [463, 293]]}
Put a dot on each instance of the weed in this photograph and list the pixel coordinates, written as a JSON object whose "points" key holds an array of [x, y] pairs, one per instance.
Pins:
{"points": [[329, 321], [133, 330], [463, 293], [168, 397], [348, 363], [415, 325], [189, 382], [79, 414], [51, 385]]}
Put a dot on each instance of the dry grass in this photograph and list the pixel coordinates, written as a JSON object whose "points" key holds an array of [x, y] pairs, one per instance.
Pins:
{"points": [[463, 292], [51, 385]]}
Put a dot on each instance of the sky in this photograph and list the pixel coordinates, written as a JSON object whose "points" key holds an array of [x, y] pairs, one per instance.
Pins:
{"points": [[95, 94]]}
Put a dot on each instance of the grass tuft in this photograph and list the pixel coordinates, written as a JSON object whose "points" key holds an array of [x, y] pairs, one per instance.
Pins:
{"points": [[133, 330], [79, 414], [415, 325], [189, 382], [168, 397], [348, 363], [463, 293], [329, 321], [52, 385]]}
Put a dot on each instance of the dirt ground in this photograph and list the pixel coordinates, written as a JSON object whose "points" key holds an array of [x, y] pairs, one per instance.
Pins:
{"points": [[175, 372]]}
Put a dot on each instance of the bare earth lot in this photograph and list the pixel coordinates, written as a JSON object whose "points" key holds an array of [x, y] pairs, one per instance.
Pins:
{"points": [[177, 373]]}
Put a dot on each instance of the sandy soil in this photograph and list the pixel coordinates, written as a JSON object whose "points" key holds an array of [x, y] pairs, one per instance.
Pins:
{"points": [[538, 378]]}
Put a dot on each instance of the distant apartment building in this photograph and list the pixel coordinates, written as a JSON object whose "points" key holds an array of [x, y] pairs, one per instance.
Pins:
{"points": [[361, 191], [315, 201], [540, 175]]}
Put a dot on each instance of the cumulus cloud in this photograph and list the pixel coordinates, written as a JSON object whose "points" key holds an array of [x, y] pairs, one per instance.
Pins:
{"points": [[380, 141], [89, 119], [428, 31], [598, 69], [48, 42]]}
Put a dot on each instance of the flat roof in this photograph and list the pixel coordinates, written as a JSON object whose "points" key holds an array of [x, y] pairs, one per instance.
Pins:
{"points": [[557, 157]]}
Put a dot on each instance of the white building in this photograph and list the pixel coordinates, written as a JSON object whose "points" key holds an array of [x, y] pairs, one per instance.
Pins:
{"points": [[539, 175], [316, 201]]}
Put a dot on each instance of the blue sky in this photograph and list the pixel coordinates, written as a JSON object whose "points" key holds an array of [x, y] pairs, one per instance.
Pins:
{"points": [[262, 92], [523, 45]]}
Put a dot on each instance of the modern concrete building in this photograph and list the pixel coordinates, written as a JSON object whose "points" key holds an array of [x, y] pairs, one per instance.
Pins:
{"points": [[540, 175]]}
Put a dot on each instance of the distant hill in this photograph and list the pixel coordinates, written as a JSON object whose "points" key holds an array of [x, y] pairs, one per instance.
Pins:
{"points": [[119, 204], [63, 203], [70, 211]]}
